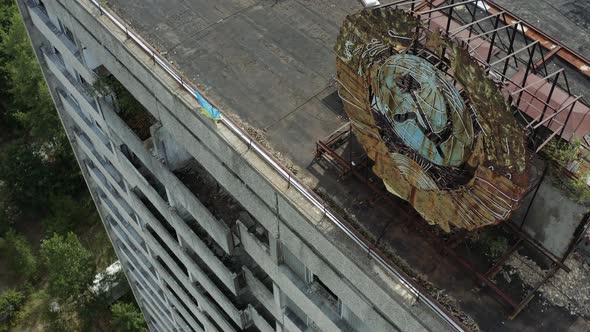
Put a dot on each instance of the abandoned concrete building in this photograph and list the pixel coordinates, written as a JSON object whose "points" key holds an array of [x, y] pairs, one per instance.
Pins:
{"points": [[238, 155]]}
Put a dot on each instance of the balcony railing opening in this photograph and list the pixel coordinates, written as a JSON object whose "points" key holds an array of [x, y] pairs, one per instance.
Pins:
{"points": [[41, 5], [175, 260], [326, 298], [227, 260], [264, 313], [145, 172], [210, 274], [299, 320], [262, 276], [216, 199], [256, 229], [129, 109], [186, 307], [214, 323], [154, 211]]}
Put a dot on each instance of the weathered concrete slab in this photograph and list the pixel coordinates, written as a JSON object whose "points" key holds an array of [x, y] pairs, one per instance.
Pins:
{"points": [[568, 21]]}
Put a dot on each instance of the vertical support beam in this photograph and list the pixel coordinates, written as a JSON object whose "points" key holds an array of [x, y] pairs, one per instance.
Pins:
{"points": [[547, 102], [510, 50], [450, 17], [415, 46], [533, 198], [541, 61], [274, 249], [567, 84], [444, 50], [276, 291], [472, 18], [526, 73], [567, 119], [490, 51]]}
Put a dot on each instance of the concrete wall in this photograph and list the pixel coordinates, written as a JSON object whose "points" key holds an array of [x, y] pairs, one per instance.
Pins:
{"points": [[553, 217], [172, 152], [361, 284]]}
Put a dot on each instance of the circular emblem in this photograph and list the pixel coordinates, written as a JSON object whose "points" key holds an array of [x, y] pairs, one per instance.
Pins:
{"points": [[424, 110]]}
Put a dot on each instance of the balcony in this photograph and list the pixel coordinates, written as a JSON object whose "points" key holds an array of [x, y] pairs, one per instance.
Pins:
{"points": [[58, 39], [141, 168], [227, 261], [209, 192], [266, 308], [169, 269], [145, 172], [264, 322], [293, 322], [131, 111], [323, 300], [105, 166], [80, 101], [166, 246]]}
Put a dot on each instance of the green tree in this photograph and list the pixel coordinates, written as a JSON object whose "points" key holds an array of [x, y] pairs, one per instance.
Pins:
{"points": [[24, 174], [8, 211], [127, 318], [96, 304], [67, 214], [7, 8], [31, 174], [22, 261], [31, 103], [70, 267], [10, 303]]}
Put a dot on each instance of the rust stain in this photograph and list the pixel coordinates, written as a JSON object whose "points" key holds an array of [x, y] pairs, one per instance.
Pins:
{"points": [[480, 187]]}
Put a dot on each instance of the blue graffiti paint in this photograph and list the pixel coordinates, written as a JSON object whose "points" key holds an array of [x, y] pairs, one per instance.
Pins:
{"points": [[424, 109], [208, 109]]}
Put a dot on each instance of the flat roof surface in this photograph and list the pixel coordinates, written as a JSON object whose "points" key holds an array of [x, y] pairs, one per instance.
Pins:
{"points": [[568, 21], [271, 64]]}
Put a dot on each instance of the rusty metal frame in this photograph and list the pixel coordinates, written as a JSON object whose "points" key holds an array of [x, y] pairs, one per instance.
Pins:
{"points": [[326, 150], [514, 27]]}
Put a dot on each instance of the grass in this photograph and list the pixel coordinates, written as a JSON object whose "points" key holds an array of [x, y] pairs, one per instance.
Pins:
{"points": [[33, 315], [7, 279]]}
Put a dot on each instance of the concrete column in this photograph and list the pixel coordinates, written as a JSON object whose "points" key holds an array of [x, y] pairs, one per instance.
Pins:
{"points": [[276, 291], [274, 248], [167, 148]]}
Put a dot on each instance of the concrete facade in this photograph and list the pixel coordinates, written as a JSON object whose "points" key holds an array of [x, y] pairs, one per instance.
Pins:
{"points": [[277, 266]]}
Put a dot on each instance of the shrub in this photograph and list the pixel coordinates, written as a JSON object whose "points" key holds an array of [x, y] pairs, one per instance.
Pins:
{"points": [[20, 255], [70, 267], [10, 303], [127, 318]]}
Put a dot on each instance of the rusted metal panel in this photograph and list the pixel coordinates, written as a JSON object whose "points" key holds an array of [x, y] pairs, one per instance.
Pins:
{"points": [[458, 158], [570, 56]]}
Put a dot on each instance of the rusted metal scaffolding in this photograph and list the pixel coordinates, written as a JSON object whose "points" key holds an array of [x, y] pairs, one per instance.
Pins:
{"points": [[346, 164], [517, 56]]}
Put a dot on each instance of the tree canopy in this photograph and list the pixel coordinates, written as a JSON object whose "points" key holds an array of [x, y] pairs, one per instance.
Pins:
{"points": [[10, 302], [30, 102], [40, 181], [22, 261], [127, 318], [70, 267]]}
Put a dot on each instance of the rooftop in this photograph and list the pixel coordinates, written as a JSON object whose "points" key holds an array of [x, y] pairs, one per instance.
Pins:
{"points": [[271, 64]]}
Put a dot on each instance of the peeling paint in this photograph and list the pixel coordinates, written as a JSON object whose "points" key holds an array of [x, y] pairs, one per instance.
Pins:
{"points": [[458, 158]]}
